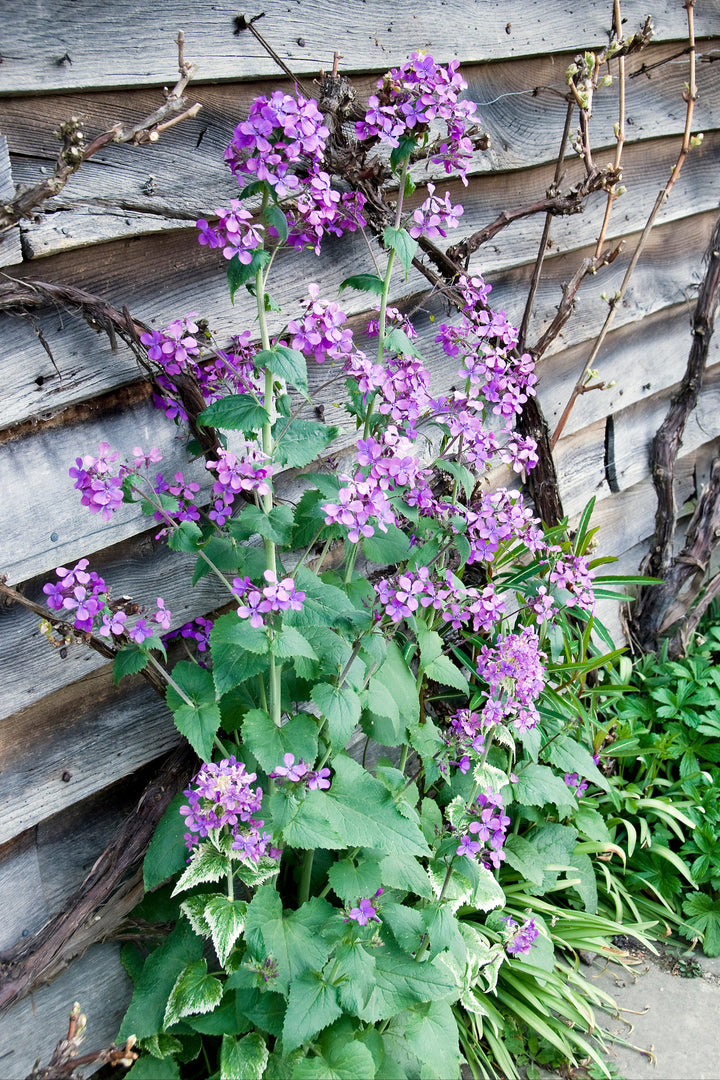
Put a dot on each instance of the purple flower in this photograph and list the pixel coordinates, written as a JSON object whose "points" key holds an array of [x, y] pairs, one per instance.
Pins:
{"points": [[114, 624], [578, 786], [224, 798], [520, 938], [140, 631], [319, 780], [162, 616], [289, 770], [79, 591], [364, 912], [435, 216], [257, 602], [485, 835]]}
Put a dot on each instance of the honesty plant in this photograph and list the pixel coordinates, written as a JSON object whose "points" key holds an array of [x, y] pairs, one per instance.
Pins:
{"points": [[346, 905]]}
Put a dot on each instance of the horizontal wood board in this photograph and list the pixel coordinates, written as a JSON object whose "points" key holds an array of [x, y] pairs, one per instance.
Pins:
{"points": [[51, 46]]}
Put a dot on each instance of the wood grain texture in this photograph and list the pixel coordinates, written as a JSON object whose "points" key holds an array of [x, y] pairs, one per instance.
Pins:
{"points": [[183, 175], [33, 470], [31, 1028], [90, 731], [84, 365], [140, 568], [48, 46]]}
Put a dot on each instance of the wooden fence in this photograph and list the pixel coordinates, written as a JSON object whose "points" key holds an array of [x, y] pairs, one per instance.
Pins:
{"points": [[75, 750]]}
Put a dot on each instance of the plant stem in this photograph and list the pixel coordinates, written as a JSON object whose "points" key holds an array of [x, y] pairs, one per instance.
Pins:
{"points": [[304, 892], [230, 886]]}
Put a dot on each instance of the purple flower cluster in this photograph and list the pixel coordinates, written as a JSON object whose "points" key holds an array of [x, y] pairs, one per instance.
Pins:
{"points": [[435, 216], [365, 911], [319, 333], [77, 591], [485, 835], [256, 602], [101, 490], [513, 669], [300, 772], [174, 347], [184, 491], [86, 598], [250, 472], [572, 572], [231, 370], [320, 209], [198, 630], [578, 785], [392, 315], [520, 939], [465, 736], [497, 517], [415, 96], [457, 604], [360, 499], [235, 233], [223, 796], [280, 133], [402, 386]]}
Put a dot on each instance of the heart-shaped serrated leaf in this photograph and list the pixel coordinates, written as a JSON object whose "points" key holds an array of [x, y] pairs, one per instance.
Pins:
{"points": [[206, 864], [194, 992]]}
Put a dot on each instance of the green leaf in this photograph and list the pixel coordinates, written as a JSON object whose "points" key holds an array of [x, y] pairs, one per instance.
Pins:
{"points": [[290, 644], [194, 992], [144, 1017], [591, 824], [341, 1061], [306, 823], [245, 1058], [403, 245], [226, 919], [397, 341], [570, 756], [239, 273], [294, 940], [406, 924], [704, 915], [150, 1068], [206, 864], [233, 661], [193, 908], [537, 785], [324, 605], [312, 1006], [587, 886], [341, 708], [388, 547], [301, 441], [355, 975], [382, 720], [365, 813], [396, 676], [199, 720], [525, 858], [167, 853], [288, 364], [269, 744], [401, 152], [129, 661], [460, 473], [401, 982], [370, 283], [186, 536], [351, 881], [443, 671], [277, 525], [431, 1030], [274, 217], [405, 872], [236, 412]]}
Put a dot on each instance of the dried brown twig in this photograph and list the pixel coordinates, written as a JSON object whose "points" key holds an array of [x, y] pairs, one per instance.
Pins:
{"points": [[74, 151], [690, 97], [65, 1060]]}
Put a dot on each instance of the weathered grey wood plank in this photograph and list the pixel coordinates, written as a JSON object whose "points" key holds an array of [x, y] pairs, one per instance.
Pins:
{"points": [[184, 175], [50, 47], [21, 892], [126, 272], [635, 427], [641, 359], [39, 463], [91, 732], [140, 568], [48, 524], [31, 1028]]}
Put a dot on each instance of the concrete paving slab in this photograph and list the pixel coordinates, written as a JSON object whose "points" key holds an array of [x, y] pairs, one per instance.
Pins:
{"points": [[672, 1002]]}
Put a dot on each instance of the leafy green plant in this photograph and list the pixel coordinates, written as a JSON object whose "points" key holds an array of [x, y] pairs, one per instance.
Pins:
{"points": [[333, 917]]}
